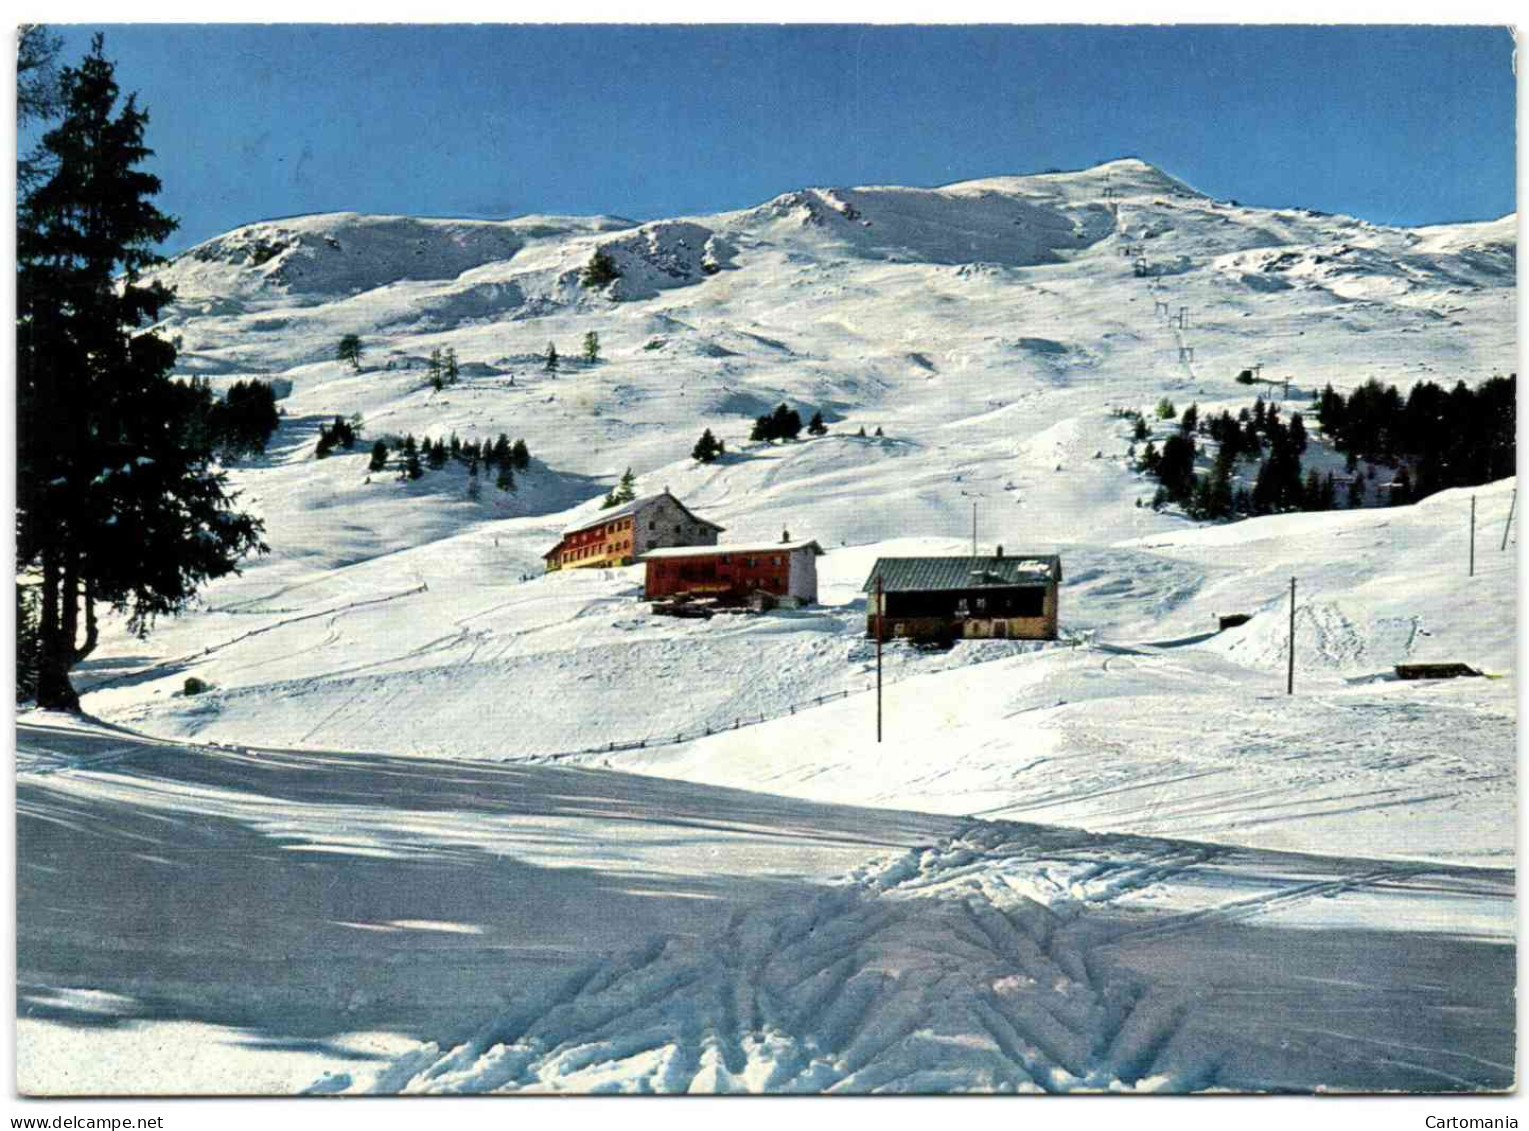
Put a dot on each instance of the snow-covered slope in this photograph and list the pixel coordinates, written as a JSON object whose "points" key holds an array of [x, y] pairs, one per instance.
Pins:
{"points": [[989, 329], [381, 924]]}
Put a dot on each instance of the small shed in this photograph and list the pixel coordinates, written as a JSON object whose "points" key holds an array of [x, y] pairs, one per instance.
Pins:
{"points": [[973, 598]]}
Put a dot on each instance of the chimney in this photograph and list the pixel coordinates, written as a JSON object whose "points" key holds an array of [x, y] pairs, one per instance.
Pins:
{"points": [[785, 535], [1000, 551]]}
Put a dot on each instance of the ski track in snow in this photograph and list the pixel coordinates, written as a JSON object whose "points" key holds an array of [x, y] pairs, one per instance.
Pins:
{"points": [[985, 956]]}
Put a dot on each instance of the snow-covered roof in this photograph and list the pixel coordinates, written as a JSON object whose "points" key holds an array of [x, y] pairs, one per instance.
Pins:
{"points": [[905, 575], [600, 518], [745, 548]]}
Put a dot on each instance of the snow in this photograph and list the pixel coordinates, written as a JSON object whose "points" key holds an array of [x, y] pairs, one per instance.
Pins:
{"points": [[991, 329], [730, 548], [530, 928]]}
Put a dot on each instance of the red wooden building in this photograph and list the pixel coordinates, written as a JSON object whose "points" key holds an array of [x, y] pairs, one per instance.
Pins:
{"points": [[784, 570]]}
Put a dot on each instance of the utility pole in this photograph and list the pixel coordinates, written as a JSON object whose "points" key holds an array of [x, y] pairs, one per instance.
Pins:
{"points": [[974, 528], [1472, 572], [881, 614], [1290, 671], [1508, 525]]}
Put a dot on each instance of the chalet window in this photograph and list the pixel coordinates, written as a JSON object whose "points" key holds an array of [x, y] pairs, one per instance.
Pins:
{"points": [[676, 528], [981, 604], [652, 525], [777, 559]]}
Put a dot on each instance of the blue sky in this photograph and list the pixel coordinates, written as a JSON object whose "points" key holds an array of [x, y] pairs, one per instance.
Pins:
{"points": [[1393, 124]]}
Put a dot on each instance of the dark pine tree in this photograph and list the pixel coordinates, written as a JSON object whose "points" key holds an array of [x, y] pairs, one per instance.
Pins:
{"points": [[706, 449], [1176, 468], [520, 455], [379, 457], [411, 467], [115, 502], [623, 492], [600, 271], [350, 349], [816, 425], [786, 422]]}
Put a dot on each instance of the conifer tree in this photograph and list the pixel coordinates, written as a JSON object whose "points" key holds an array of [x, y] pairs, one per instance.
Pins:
{"points": [[435, 454], [624, 491], [38, 97], [379, 457], [28, 643], [450, 370], [350, 349], [1311, 492], [474, 488], [1176, 467], [816, 425], [1298, 434], [786, 423], [115, 501], [706, 449], [521, 455], [551, 362], [591, 347], [600, 271], [505, 481], [879, 432], [433, 370], [411, 468]]}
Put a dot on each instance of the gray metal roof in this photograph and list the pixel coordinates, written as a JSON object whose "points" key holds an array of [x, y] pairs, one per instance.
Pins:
{"points": [[908, 575], [603, 516]]}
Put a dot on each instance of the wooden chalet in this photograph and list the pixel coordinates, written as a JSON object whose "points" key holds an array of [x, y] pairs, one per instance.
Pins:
{"points": [[784, 570], [971, 598], [621, 535]]}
